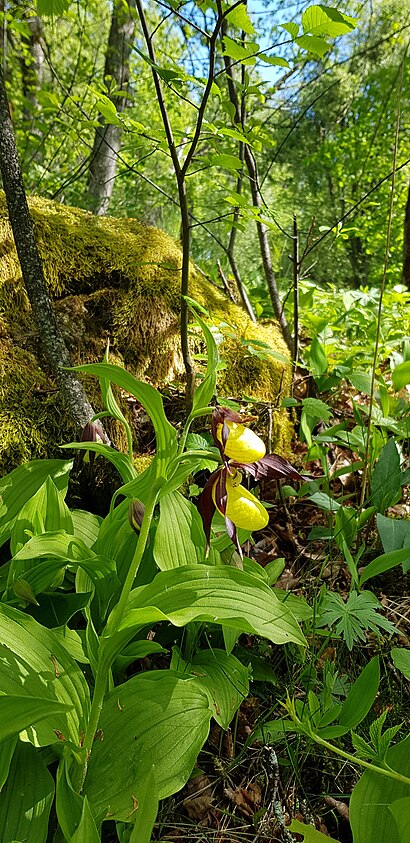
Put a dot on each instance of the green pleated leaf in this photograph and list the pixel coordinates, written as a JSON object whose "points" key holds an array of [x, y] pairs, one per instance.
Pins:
{"points": [[86, 526], [21, 484], [159, 720], [26, 798], [179, 538], [45, 512], [147, 810], [150, 400], [206, 390], [18, 713], [120, 461], [220, 595], [401, 375], [86, 831], [361, 696], [401, 813], [222, 677], [34, 663], [69, 804], [370, 816], [7, 751]]}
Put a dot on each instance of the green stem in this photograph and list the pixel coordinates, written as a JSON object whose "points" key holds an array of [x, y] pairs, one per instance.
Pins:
{"points": [[111, 627], [205, 411], [389, 772]]}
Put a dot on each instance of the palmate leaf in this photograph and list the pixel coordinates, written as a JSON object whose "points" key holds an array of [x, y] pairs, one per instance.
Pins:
{"points": [[159, 720], [353, 617], [34, 663], [26, 799]]}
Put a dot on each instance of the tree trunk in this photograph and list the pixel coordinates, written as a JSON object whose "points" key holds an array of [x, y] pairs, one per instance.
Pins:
{"points": [[107, 139], [406, 244], [257, 200], [55, 350]]}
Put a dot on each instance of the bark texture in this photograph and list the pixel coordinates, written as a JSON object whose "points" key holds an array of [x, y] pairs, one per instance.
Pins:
{"points": [[55, 350], [107, 139]]}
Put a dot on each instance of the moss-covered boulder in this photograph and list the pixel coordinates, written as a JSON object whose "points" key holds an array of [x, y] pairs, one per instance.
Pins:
{"points": [[116, 279]]}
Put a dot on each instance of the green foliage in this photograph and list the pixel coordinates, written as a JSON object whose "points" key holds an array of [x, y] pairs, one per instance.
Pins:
{"points": [[120, 747], [354, 616]]}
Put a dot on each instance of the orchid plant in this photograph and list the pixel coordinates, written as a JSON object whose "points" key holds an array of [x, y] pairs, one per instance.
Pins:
{"points": [[84, 599], [242, 451]]}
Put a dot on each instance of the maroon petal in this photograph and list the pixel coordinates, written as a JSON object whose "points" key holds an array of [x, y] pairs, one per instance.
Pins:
{"points": [[231, 530], [272, 466], [206, 507], [219, 416]]}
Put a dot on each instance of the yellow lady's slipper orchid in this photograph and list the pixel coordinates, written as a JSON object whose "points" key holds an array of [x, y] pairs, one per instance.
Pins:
{"points": [[242, 508], [243, 445]]}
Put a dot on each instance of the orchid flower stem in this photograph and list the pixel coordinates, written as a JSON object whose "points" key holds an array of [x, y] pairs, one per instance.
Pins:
{"points": [[113, 623]]}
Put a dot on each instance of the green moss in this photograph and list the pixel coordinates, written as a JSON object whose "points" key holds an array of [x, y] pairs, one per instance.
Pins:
{"points": [[117, 279]]}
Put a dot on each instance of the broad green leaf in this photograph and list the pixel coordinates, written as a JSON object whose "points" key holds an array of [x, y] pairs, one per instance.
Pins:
{"points": [[157, 720], [56, 609], [86, 831], [59, 550], [238, 52], [218, 595], [386, 478], [52, 8], [401, 375], [400, 809], [361, 381], [45, 512], [18, 713], [86, 526], [317, 358], [69, 804], [361, 696], [147, 810], [313, 44], [179, 538], [7, 751], [401, 660], [291, 27], [310, 833], [151, 401], [394, 532], [206, 390], [228, 162], [108, 110], [26, 799], [275, 61], [370, 817], [239, 17], [384, 563], [223, 677], [319, 20], [21, 484], [120, 461], [34, 663], [72, 642]]}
